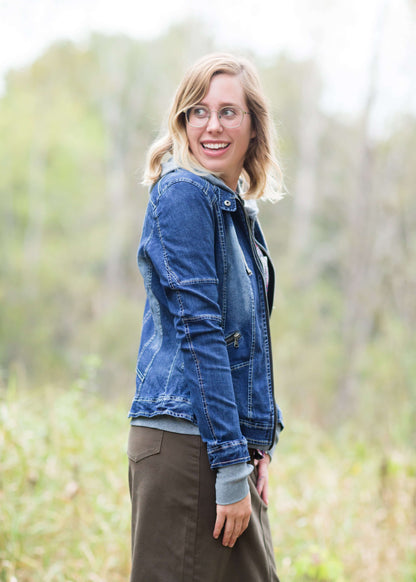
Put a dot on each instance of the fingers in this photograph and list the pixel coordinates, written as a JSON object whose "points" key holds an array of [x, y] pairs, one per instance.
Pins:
{"points": [[246, 521], [262, 484], [234, 519], [263, 489], [233, 529], [219, 522]]}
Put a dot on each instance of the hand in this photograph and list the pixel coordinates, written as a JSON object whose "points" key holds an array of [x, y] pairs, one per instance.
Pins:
{"points": [[234, 519], [262, 484]]}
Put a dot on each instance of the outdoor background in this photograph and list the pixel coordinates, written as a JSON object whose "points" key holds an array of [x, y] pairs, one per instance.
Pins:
{"points": [[84, 88]]}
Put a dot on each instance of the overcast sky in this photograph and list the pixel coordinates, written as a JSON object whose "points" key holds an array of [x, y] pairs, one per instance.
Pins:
{"points": [[340, 34]]}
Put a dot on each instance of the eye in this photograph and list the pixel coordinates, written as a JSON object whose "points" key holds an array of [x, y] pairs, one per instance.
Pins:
{"points": [[229, 112], [199, 112]]}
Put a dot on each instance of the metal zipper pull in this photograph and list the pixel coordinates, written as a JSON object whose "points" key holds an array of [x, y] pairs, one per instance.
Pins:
{"points": [[248, 270], [233, 339]]}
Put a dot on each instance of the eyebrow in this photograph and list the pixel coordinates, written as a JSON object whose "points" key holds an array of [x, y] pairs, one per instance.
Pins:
{"points": [[224, 104]]}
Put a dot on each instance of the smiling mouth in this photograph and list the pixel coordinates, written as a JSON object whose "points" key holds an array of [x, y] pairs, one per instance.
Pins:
{"points": [[215, 146]]}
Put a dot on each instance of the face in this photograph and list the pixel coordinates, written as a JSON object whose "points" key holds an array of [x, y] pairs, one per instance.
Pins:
{"points": [[216, 148]]}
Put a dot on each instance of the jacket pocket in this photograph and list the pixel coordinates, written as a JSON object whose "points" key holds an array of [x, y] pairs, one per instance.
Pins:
{"points": [[143, 442]]}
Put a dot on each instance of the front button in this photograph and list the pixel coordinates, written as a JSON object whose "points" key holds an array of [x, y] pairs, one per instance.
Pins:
{"points": [[227, 203]]}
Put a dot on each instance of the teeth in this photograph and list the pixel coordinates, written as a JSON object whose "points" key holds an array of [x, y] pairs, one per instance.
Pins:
{"points": [[215, 146]]}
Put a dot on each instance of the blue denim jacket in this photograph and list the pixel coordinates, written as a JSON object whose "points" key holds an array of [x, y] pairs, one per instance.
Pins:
{"points": [[205, 353]]}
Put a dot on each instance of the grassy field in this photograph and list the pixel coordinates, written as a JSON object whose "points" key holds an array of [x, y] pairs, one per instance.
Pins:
{"points": [[341, 509]]}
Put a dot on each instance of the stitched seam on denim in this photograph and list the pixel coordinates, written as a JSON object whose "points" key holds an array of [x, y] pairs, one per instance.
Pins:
{"points": [[198, 369], [149, 341], [142, 375], [150, 415], [227, 445], [154, 334], [146, 317], [223, 250], [205, 187], [165, 398], [220, 463], [139, 374], [252, 350], [202, 317], [267, 351], [171, 368], [260, 443], [145, 243], [163, 188], [256, 424], [241, 365], [170, 274], [198, 281], [184, 175]]}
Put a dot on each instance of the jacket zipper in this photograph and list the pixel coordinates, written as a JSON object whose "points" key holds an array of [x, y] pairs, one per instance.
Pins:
{"points": [[234, 338], [260, 267]]}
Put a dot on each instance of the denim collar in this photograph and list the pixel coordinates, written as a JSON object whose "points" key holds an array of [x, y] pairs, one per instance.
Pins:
{"points": [[228, 198]]}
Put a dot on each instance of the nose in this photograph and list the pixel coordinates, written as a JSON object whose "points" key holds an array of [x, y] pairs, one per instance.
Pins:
{"points": [[213, 122]]}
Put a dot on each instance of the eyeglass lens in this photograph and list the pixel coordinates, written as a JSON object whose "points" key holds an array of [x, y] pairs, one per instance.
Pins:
{"points": [[228, 116]]}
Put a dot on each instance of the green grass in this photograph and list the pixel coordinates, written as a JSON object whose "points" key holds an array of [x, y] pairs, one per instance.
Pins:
{"points": [[64, 497], [341, 509]]}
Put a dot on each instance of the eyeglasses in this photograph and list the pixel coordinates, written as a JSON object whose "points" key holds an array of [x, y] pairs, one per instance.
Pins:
{"points": [[229, 116]]}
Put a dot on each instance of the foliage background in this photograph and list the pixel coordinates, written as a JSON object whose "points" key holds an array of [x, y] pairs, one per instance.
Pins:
{"points": [[75, 126]]}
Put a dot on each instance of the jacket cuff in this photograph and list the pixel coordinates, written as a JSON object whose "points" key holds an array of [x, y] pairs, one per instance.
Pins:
{"points": [[227, 453]]}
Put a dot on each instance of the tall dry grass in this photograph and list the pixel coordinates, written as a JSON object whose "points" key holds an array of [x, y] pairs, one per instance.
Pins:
{"points": [[341, 509], [64, 499]]}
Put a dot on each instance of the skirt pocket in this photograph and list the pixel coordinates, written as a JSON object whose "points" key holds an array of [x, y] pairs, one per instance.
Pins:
{"points": [[143, 442]]}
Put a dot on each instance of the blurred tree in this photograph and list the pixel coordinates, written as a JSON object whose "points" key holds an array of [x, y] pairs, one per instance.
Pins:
{"points": [[52, 141], [310, 129], [75, 127], [360, 265], [134, 82]]}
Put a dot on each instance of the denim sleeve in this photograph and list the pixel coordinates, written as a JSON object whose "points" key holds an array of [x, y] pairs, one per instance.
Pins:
{"points": [[183, 253]]}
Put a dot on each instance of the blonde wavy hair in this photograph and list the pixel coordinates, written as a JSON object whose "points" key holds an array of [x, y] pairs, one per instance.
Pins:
{"points": [[261, 175]]}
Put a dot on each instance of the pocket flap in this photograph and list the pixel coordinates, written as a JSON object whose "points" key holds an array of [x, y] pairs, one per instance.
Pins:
{"points": [[143, 442]]}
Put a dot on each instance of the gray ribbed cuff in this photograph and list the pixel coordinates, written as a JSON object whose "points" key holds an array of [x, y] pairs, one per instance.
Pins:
{"points": [[231, 484]]}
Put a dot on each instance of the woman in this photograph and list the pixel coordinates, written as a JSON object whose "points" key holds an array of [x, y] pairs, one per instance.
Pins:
{"points": [[204, 410]]}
